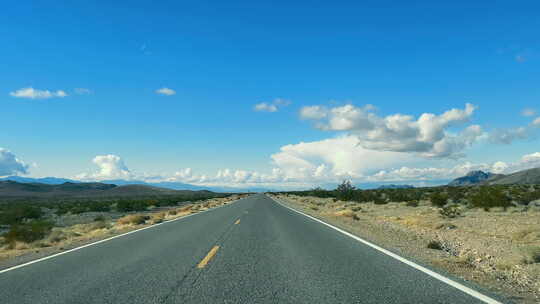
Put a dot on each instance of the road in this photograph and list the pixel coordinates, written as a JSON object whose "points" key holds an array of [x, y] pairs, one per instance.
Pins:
{"points": [[251, 251]]}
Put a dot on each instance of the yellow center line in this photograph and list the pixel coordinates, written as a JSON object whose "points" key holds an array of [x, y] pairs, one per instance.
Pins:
{"points": [[237, 222], [208, 257]]}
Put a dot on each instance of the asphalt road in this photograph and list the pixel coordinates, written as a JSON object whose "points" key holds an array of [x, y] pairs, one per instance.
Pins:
{"points": [[262, 253]]}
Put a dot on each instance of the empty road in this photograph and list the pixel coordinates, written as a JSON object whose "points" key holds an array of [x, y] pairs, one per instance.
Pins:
{"points": [[252, 251]]}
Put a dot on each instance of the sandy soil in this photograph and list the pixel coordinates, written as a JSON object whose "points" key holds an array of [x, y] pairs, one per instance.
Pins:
{"points": [[498, 250]]}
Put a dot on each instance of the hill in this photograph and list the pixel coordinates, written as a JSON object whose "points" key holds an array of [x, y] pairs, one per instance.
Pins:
{"points": [[473, 178], [12, 189], [525, 177]]}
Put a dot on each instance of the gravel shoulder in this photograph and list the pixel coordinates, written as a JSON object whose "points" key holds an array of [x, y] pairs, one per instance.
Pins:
{"points": [[495, 250]]}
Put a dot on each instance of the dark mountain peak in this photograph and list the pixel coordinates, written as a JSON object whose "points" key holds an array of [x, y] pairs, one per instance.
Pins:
{"points": [[472, 178]]}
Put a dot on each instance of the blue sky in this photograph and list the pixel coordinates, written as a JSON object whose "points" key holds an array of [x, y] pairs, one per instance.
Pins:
{"points": [[221, 59]]}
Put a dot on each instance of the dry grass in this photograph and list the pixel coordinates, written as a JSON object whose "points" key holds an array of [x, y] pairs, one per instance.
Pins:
{"points": [[133, 219], [347, 213]]}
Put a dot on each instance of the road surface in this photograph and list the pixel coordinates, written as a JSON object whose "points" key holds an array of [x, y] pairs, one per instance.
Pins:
{"points": [[251, 251]]}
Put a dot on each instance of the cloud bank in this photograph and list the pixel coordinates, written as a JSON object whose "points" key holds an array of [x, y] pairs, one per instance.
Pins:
{"points": [[427, 136], [31, 93], [10, 164]]}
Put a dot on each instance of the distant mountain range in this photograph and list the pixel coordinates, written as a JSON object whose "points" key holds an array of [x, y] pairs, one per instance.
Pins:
{"points": [[121, 182], [393, 186], [530, 176], [13, 189]]}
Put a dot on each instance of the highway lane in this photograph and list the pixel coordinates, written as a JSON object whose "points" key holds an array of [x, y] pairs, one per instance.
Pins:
{"points": [[252, 251]]}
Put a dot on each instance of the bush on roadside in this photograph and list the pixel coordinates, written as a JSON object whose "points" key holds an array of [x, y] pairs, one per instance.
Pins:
{"points": [[489, 197], [450, 211], [11, 215], [133, 219], [28, 232], [438, 199], [345, 191]]}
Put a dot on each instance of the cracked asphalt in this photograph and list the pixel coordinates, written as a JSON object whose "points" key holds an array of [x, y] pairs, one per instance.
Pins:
{"points": [[273, 255]]}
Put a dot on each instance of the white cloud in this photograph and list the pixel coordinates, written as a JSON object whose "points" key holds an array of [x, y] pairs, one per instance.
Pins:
{"points": [[32, 93], [82, 91], [10, 164], [110, 167], [165, 91], [313, 112], [265, 107], [332, 159], [271, 106], [536, 122], [507, 136], [427, 135], [528, 112]]}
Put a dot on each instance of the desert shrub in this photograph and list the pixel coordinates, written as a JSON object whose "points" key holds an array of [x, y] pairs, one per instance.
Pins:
{"points": [[450, 211], [314, 208], [18, 213], [412, 204], [435, 245], [99, 218], [377, 200], [132, 205], [172, 212], [133, 219], [356, 208], [345, 191], [438, 199], [489, 197], [532, 255], [99, 207], [28, 232]]}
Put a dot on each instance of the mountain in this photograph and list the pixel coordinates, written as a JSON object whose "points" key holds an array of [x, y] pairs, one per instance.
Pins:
{"points": [[121, 182], [41, 180], [473, 178], [393, 186], [12, 189], [525, 177]]}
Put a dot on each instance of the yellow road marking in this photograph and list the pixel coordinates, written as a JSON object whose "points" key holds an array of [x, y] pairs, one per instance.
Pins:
{"points": [[237, 222], [208, 257]]}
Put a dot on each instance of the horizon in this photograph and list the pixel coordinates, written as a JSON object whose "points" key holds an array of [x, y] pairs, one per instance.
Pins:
{"points": [[265, 95]]}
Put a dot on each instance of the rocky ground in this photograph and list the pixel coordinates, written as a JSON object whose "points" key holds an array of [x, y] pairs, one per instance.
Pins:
{"points": [[499, 250], [74, 230]]}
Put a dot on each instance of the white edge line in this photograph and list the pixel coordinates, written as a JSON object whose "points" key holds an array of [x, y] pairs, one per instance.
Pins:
{"points": [[108, 239], [431, 273]]}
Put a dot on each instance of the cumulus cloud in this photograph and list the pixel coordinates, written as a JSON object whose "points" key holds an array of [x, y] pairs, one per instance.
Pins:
{"points": [[10, 164], [428, 135], [528, 112], [407, 174], [332, 159], [509, 135], [32, 93], [265, 107], [271, 106], [109, 167], [165, 91]]}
